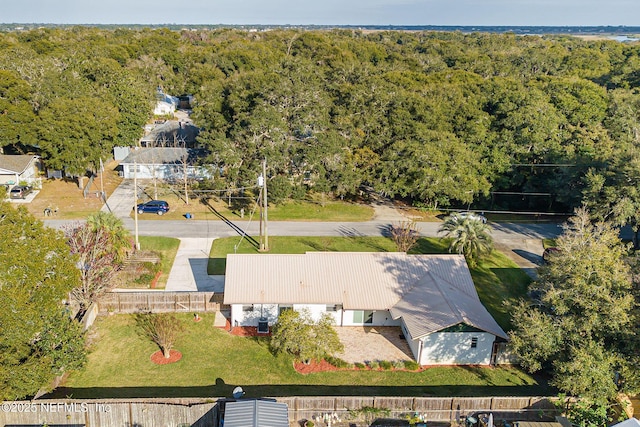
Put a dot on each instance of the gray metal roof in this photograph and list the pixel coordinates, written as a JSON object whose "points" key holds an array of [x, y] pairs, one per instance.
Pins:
{"points": [[15, 163], [430, 292], [163, 155], [256, 413]]}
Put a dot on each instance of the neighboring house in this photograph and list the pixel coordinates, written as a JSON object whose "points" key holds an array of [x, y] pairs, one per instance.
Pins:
{"points": [[164, 163], [171, 133], [15, 169], [166, 105], [431, 297]]}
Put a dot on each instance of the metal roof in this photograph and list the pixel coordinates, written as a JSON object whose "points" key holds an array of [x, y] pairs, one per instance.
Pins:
{"points": [[430, 292], [163, 155], [256, 413]]}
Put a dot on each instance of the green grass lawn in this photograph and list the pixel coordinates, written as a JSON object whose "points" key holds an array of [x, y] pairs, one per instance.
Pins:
{"points": [[214, 362], [294, 245], [215, 209]]}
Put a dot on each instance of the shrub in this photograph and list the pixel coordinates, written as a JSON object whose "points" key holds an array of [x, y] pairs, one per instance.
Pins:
{"points": [[360, 365], [374, 364], [337, 362], [386, 365], [163, 329], [411, 365], [398, 364]]}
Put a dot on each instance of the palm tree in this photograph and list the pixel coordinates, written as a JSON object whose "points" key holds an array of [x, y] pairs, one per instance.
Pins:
{"points": [[469, 236], [119, 236]]}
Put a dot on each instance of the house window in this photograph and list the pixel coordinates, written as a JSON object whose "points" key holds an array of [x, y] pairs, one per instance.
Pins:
{"points": [[363, 316], [283, 308], [247, 307], [474, 342], [333, 307], [368, 316], [134, 168]]}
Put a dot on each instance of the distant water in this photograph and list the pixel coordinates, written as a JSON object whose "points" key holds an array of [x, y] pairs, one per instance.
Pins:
{"points": [[620, 33], [624, 38]]}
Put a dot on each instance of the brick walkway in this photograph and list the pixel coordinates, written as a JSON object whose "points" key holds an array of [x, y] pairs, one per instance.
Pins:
{"points": [[373, 343]]}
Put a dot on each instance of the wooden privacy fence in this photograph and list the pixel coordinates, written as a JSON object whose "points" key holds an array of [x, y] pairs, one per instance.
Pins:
{"points": [[160, 301], [444, 409], [200, 412]]}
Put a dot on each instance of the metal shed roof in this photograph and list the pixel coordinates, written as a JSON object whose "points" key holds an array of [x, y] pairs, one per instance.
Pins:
{"points": [[256, 413]]}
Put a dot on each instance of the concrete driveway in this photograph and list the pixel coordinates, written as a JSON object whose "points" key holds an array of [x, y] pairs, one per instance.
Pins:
{"points": [[189, 270]]}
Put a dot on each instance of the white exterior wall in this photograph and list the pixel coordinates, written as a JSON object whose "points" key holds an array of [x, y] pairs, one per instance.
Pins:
{"points": [[380, 318], [315, 310], [164, 171], [454, 348], [239, 317], [414, 345], [270, 311], [164, 108]]}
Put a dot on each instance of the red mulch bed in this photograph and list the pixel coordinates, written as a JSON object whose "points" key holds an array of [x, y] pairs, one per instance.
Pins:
{"points": [[314, 366], [247, 331], [323, 366], [159, 359]]}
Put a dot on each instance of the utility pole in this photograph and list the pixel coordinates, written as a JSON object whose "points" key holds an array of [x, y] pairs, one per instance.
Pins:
{"points": [[262, 183], [135, 202], [102, 195], [264, 200]]}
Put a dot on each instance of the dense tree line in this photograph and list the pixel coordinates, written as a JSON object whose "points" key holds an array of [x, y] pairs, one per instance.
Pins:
{"points": [[444, 119]]}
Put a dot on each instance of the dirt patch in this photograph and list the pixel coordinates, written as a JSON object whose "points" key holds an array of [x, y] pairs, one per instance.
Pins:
{"points": [[159, 359], [68, 198]]}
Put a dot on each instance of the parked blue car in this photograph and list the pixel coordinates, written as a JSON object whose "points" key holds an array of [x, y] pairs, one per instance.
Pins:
{"points": [[159, 207]]}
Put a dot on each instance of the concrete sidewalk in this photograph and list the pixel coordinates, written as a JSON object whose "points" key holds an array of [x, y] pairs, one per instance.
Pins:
{"points": [[121, 201], [189, 270]]}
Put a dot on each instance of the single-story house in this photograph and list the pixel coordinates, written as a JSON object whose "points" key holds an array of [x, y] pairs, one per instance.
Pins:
{"points": [[166, 163], [432, 298], [15, 169]]}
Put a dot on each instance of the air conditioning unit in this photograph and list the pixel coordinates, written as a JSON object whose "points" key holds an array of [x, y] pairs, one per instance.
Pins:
{"points": [[263, 326]]}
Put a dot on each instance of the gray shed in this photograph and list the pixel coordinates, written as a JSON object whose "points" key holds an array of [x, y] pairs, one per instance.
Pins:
{"points": [[256, 413]]}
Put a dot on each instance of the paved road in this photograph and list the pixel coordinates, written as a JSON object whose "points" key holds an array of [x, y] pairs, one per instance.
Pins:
{"points": [[521, 242], [211, 229]]}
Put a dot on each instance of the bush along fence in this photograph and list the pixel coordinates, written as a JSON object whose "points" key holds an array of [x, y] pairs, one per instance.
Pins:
{"points": [[325, 411], [160, 301]]}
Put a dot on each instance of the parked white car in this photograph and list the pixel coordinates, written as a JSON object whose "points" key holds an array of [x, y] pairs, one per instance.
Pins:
{"points": [[473, 215]]}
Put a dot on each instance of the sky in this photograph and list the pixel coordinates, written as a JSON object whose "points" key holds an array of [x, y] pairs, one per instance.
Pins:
{"points": [[326, 12]]}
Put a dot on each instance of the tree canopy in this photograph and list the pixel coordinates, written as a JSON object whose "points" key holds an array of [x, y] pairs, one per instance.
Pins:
{"points": [[298, 334], [582, 321], [500, 121], [38, 337]]}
